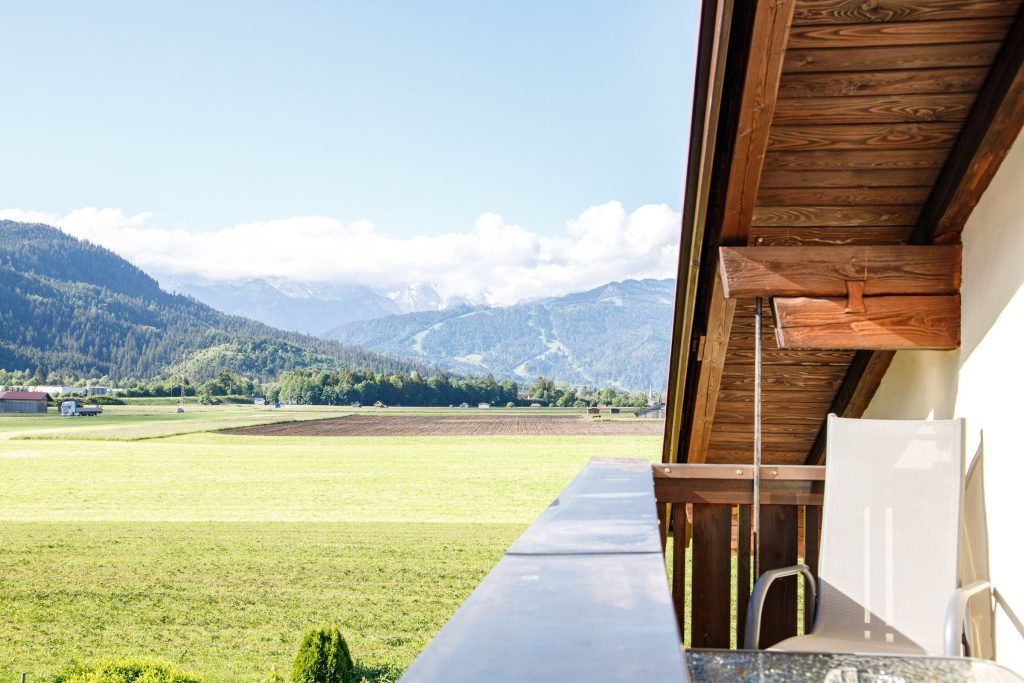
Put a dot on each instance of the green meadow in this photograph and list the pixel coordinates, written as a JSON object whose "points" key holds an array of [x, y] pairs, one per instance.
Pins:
{"points": [[143, 533]]}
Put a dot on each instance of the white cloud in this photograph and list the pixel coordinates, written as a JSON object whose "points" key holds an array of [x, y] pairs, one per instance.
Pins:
{"points": [[496, 262]]}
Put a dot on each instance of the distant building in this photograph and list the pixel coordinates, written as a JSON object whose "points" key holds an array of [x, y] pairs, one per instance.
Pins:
{"points": [[483, 405], [23, 402], [54, 389]]}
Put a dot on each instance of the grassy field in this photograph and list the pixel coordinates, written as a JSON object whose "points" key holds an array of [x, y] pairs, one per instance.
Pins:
{"points": [[215, 551]]}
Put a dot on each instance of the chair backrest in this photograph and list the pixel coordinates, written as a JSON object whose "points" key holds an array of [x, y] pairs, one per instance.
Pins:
{"points": [[890, 531]]}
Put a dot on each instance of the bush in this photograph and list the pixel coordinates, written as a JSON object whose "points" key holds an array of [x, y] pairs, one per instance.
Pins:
{"points": [[323, 658], [104, 400], [124, 671]]}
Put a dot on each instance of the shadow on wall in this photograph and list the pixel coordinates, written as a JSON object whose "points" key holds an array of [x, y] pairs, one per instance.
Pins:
{"points": [[925, 384]]}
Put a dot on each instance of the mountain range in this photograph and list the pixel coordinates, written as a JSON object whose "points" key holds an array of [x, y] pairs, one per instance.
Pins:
{"points": [[71, 307], [74, 308], [307, 307], [615, 335]]}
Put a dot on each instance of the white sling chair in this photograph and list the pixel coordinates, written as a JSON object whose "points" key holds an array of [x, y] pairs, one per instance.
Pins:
{"points": [[889, 543]]}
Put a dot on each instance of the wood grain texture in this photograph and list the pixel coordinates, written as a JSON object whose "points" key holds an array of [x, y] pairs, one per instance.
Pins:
{"points": [[994, 125], [749, 272], [789, 357], [861, 382], [891, 58], [813, 12], [883, 34], [744, 568], [868, 159], [768, 456], [874, 109], [839, 197], [890, 323], [855, 137], [778, 549], [720, 321], [903, 82], [760, 87], [679, 534], [834, 216], [712, 560], [855, 178], [838, 236]]}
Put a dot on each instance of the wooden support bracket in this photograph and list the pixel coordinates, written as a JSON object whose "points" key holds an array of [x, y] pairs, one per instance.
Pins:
{"points": [[887, 322], [749, 272]]}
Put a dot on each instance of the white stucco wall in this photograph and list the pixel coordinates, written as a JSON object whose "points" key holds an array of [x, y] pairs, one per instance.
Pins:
{"points": [[984, 380]]}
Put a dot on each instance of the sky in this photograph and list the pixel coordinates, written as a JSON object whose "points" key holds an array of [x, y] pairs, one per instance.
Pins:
{"points": [[492, 148]]}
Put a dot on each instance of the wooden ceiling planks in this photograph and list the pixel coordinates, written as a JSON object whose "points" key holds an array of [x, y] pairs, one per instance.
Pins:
{"points": [[871, 99]]}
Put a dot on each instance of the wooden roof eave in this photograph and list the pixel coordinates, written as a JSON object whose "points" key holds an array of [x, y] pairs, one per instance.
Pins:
{"points": [[709, 82], [734, 99], [717, 141]]}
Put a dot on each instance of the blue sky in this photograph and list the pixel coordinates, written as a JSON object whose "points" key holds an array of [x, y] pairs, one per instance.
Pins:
{"points": [[418, 118]]}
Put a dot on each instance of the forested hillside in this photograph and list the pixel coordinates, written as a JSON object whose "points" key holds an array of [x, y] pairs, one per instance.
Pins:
{"points": [[71, 307], [615, 335]]}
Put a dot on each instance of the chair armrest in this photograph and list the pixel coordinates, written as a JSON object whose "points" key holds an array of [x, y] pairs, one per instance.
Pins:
{"points": [[752, 633], [956, 615]]}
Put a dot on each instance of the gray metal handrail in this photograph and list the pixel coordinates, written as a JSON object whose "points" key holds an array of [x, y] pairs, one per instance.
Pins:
{"points": [[582, 595]]}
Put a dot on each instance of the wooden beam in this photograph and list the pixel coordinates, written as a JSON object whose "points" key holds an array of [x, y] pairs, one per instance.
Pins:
{"points": [[888, 323], [994, 122], [910, 81], [859, 12], [760, 89], [944, 31], [713, 48], [835, 216], [857, 136], [826, 271], [715, 346], [993, 125], [891, 58], [854, 395]]}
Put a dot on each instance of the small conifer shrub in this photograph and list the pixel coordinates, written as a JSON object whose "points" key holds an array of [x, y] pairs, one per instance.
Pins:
{"points": [[124, 671], [323, 658]]}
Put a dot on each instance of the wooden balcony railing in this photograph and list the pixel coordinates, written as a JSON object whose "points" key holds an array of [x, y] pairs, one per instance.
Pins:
{"points": [[706, 511], [580, 596]]}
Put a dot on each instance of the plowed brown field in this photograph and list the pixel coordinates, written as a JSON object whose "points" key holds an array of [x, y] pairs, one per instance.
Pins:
{"points": [[456, 425]]}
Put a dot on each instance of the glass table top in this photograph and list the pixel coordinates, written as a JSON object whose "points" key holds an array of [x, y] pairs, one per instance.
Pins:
{"points": [[712, 666]]}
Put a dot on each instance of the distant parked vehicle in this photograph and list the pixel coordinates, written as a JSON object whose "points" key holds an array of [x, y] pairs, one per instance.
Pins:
{"points": [[75, 409], [180, 410]]}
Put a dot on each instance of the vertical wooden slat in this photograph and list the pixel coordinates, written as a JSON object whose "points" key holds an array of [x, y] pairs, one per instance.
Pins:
{"points": [[812, 526], [663, 524], [679, 566], [743, 557], [779, 549], [712, 559]]}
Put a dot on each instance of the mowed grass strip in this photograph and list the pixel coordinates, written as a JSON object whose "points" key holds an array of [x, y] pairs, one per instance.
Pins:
{"points": [[218, 477], [215, 552], [231, 600], [117, 424]]}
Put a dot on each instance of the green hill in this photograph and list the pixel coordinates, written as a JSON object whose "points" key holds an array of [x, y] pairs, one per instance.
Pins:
{"points": [[71, 307]]}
